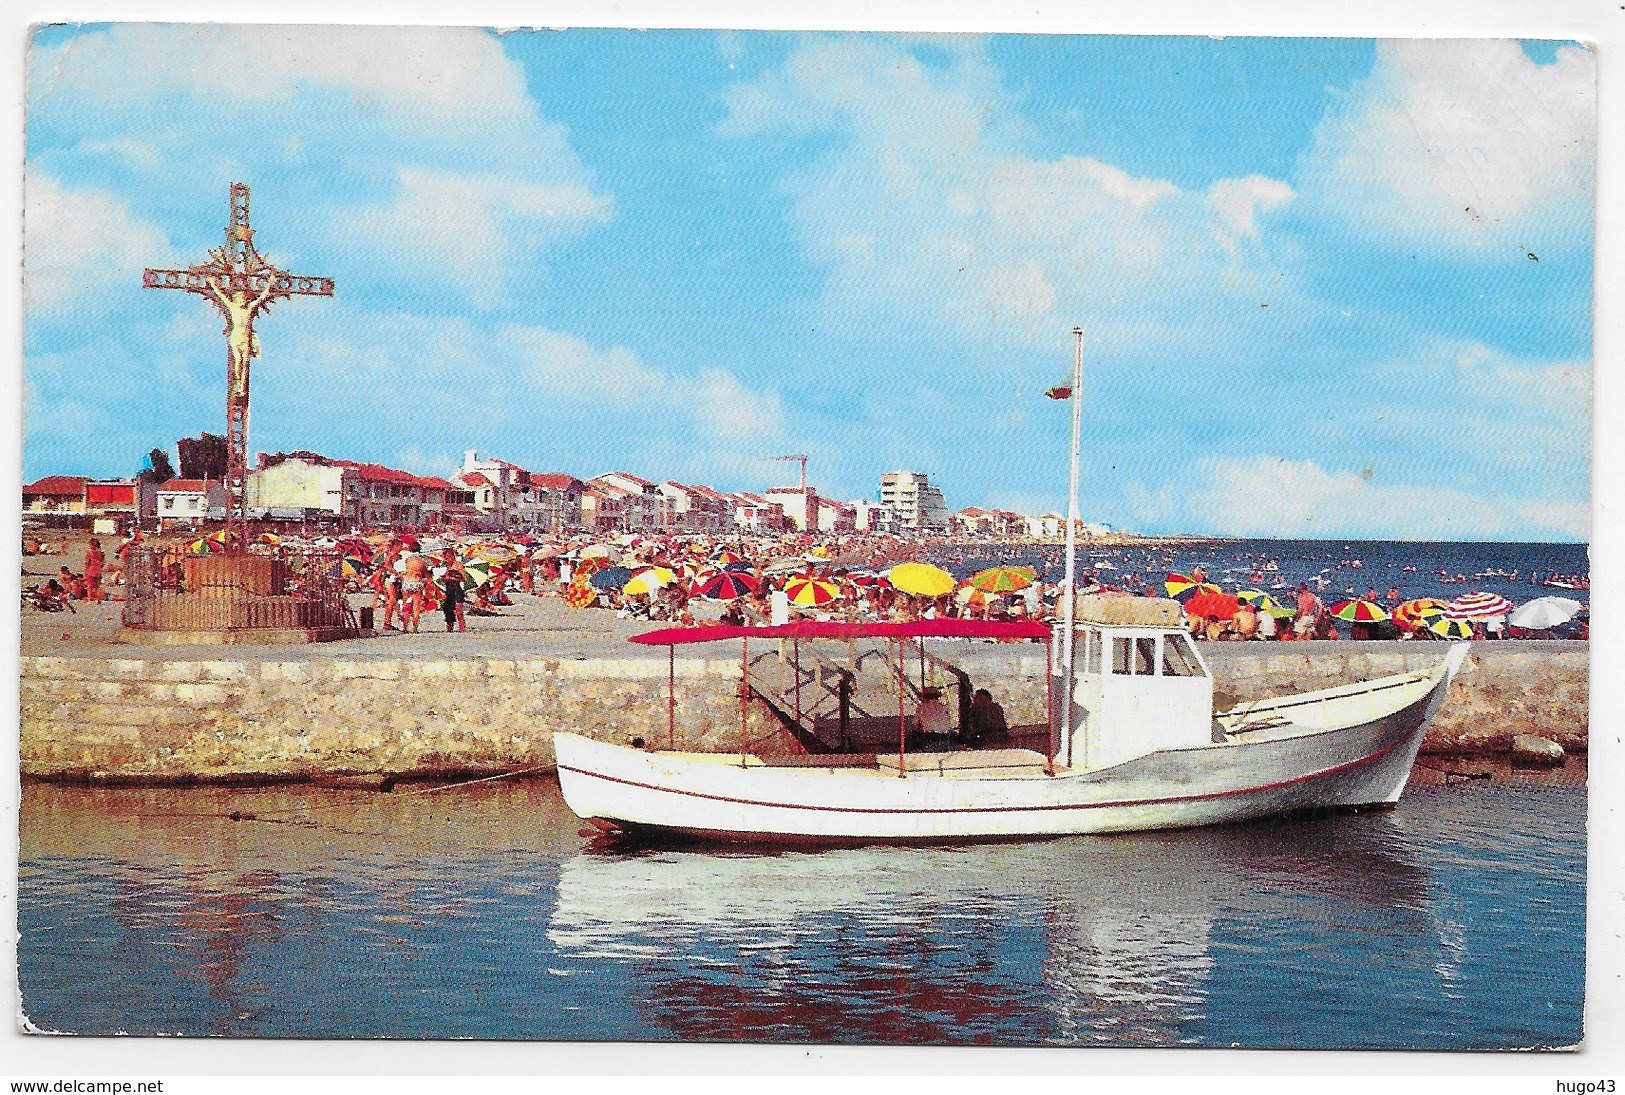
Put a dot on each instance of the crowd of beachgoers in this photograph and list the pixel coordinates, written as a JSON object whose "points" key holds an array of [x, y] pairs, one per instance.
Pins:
{"points": [[685, 579]]}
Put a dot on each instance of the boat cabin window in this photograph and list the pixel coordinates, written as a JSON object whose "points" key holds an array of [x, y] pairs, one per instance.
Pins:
{"points": [[1178, 659], [1134, 656], [1091, 657]]}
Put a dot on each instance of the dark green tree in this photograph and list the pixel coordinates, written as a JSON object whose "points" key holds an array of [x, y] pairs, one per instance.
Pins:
{"points": [[158, 469]]}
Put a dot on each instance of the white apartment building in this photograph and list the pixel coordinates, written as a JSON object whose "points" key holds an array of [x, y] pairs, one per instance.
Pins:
{"points": [[918, 506]]}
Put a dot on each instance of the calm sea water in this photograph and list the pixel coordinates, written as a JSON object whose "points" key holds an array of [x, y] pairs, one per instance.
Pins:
{"points": [[1338, 566], [1455, 921]]}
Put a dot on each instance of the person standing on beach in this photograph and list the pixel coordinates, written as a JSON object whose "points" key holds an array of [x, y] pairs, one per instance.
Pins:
{"points": [[94, 562], [1308, 612], [414, 574], [452, 603]]}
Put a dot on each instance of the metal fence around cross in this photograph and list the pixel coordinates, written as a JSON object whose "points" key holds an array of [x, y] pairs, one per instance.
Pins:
{"points": [[169, 589]]}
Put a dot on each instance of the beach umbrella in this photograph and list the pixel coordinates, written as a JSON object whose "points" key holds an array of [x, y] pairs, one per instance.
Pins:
{"points": [[600, 551], [649, 579], [1419, 612], [579, 594], [591, 564], [1544, 612], [1358, 611], [1182, 587], [1447, 628], [353, 546], [1263, 602], [1478, 605], [207, 545], [728, 558], [726, 585], [476, 574], [1003, 579], [491, 553], [1213, 604], [345, 570], [876, 581], [612, 578], [268, 538], [809, 591], [921, 579]]}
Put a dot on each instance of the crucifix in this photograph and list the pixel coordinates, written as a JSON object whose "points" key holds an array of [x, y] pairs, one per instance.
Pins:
{"points": [[242, 285]]}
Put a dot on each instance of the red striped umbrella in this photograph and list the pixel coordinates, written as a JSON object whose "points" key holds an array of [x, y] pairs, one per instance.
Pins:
{"points": [[1358, 611], [727, 585], [1478, 606], [878, 581]]}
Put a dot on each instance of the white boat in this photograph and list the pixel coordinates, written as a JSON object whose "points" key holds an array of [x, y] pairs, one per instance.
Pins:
{"points": [[1139, 748], [1134, 742]]}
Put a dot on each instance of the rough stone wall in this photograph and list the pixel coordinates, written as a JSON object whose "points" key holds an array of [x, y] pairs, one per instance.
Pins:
{"points": [[157, 720]]}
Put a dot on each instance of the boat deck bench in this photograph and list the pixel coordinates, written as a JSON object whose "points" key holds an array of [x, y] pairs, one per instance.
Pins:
{"points": [[977, 763]]}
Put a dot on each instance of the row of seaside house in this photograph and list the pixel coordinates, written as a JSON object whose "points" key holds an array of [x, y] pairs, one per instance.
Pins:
{"points": [[491, 495]]}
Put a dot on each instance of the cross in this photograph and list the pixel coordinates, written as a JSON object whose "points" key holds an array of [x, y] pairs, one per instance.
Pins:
{"points": [[242, 285]]}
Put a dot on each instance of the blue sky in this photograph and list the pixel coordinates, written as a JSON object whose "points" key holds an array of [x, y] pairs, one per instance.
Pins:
{"points": [[1332, 287]]}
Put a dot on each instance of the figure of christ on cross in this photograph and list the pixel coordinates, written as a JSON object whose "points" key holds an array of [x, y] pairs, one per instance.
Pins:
{"points": [[228, 281], [241, 343]]}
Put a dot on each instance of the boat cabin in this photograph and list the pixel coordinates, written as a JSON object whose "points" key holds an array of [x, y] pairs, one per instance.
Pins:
{"points": [[1139, 683]]}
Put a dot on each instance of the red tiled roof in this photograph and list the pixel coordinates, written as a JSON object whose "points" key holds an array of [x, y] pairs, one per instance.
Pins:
{"points": [[434, 482], [475, 479], [377, 472], [58, 485], [552, 480], [194, 486]]}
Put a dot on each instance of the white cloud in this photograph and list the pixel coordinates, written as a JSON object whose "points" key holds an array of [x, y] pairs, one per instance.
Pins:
{"points": [[1239, 201], [1464, 146], [1271, 495], [82, 242], [1465, 409], [928, 215], [413, 156], [469, 230], [449, 72]]}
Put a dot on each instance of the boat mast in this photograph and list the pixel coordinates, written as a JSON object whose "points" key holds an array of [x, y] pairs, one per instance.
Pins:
{"points": [[1069, 612]]}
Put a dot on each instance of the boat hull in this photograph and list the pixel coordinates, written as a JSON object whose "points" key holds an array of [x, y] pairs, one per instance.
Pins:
{"points": [[1365, 764]]}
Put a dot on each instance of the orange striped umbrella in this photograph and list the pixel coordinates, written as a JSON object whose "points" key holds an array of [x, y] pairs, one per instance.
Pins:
{"points": [[1419, 612]]}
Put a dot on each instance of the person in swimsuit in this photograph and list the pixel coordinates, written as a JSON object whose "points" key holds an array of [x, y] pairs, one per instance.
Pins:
{"points": [[413, 577]]}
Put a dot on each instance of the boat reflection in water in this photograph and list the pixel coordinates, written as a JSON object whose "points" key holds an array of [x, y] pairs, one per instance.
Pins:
{"points": [[1086, 940]]}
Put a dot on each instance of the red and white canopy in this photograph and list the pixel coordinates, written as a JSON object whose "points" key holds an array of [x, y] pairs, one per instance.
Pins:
{"points": [[1478, 606]]}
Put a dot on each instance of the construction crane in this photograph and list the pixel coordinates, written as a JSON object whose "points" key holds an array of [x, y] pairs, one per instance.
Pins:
{"points": [[800, 457]]}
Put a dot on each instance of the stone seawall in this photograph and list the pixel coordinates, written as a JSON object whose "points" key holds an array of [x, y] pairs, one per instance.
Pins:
{"points": [[157, 720], [271, 717]]}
